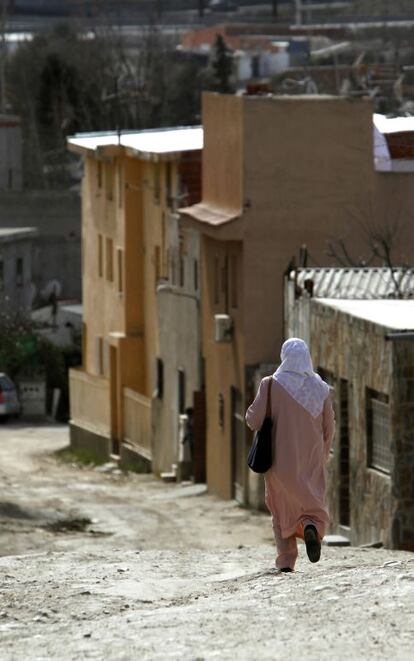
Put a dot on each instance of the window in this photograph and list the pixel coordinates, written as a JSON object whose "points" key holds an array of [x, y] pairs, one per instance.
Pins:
{"points": [[157, 183], [173, 266], [224, 282], [168, 185], [99, 174], [234, 281], [1, 275], [109, 260], [181, 391], [99, 356], [6, 384], [109, 180], [157, 263], [181, 261], [100, 255], [160, 378], [164, 249], [120, 264], [329, 378], [19, 272], [195, 267], [378, 431], [120, 186], [84, 343], [216, 280], [221, 411], [106, 358]]}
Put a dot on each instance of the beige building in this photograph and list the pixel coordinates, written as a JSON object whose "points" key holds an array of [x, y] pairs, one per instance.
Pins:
{"points": [[278, 172], [132, 184]]}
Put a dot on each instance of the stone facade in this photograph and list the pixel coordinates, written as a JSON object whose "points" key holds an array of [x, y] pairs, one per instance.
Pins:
{"points": [[367, 362], [403, 444]]}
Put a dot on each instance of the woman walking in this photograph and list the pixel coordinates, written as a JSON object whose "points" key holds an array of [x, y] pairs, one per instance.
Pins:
{"points": [[303, 429]]}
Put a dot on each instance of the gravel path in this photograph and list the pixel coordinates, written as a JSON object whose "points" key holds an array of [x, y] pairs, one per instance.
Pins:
{"points": [[167, 572]]}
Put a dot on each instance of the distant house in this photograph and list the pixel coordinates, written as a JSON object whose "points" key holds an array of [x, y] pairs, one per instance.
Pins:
{"points": [[362, 342], [393, 144], [16, 283], [140, 293], [256, 54], [278, 172], [55, 214]]}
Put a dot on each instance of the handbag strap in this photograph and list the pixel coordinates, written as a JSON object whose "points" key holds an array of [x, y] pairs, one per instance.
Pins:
{"points": [[269, 402]]}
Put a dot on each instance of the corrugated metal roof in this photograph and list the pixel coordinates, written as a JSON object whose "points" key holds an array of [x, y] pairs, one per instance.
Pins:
{"points": [[154, 141], [356, 283]]}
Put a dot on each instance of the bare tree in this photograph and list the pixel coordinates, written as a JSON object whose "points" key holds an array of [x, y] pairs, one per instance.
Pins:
{"points": [[383, 242]]}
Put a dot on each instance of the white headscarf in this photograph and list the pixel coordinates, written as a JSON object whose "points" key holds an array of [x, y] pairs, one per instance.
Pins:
{"points": [[296, 375]]}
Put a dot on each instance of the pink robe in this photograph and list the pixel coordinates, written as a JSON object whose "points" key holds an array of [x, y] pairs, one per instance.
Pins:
{"points": [[296, 482]]}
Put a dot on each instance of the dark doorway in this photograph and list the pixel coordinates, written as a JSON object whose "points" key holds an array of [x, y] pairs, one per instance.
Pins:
{"points": [[344, 463], [114, 398], [199, 432], [181, 391], [238, 445]]}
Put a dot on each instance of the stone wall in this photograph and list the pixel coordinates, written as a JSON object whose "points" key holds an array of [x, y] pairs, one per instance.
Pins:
{"points": [[356, 356], [402, 398]]}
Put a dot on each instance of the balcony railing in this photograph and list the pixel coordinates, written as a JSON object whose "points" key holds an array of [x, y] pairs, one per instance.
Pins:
{"points": [[137, 421], [89, 402]]}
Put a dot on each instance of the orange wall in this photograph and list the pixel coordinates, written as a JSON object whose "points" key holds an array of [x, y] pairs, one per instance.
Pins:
{"points": [[308, 178], [302, 169], [103, 308], [223, 150]]}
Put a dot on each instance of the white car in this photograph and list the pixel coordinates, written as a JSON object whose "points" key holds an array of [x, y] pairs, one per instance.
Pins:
{"points": [[9, 399]]}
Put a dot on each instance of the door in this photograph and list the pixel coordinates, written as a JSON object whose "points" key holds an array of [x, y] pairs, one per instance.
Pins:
{"points": [[238, 445], [199, 432], [113, 365], [344, 462]]}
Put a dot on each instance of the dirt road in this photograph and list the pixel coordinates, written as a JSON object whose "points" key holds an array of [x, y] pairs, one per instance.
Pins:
{"points": [[104, 565]]}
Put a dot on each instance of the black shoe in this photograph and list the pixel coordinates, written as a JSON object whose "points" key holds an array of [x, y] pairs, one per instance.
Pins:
{"points": [[313, 543], [286, 570]]}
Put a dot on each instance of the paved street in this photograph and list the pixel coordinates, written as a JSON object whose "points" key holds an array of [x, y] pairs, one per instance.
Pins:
{"points": [[111, 566]]}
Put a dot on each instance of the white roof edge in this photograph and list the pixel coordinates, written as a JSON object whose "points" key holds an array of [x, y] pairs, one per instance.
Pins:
{"points": [[147, 143], [394, 314], [17, 233], [386, 124]]}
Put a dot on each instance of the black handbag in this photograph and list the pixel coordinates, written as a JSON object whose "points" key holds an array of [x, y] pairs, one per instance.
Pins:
{"points": [[260, 457]]}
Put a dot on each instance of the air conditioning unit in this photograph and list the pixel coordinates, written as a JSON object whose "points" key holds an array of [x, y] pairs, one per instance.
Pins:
{"points": [[223, 325]]}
